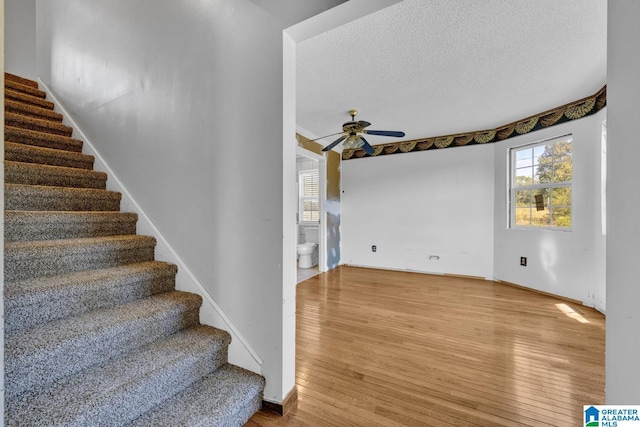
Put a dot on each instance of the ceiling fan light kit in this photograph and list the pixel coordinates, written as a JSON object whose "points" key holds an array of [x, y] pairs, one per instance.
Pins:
{"points": [[352, 135]]}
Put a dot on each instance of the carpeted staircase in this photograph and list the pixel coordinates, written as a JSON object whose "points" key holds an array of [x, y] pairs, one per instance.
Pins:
{"points": [[95, 333]]}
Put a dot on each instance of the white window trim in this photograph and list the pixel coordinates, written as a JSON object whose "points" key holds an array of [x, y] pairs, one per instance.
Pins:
{"points": [[511, 189], [301, 198]]}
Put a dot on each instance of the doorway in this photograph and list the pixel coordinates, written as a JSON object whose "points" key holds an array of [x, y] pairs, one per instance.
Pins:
{"points": [[311, 195]]}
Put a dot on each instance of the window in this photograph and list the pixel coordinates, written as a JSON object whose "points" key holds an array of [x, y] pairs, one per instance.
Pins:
{"points": [[309, 196], [540, 193]]}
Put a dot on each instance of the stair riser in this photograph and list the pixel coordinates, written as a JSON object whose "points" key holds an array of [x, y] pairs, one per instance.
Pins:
{"points": [[240, 417], [26, 198], [29, 110], [37, 370], [8, 84], [32, 174], [21, 80], [37, 125], [30, 264], [19, 227], [227, 397], [16, 152], [28, 99], [152, 392], [135, 382], [40, 139], [28, 310]]}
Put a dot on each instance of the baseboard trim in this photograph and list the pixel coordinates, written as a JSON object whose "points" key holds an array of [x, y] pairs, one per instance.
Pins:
{"points": [[282, 409], [464, 276], [537, 291], [485, 279], [428, 273]]}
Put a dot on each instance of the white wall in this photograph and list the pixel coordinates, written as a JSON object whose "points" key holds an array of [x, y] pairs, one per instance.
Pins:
{"points": [[437, 202], [184, 102], [20, 38], [623, 204], [188, 102], [289, 208], [570, 264], [453, 203]]}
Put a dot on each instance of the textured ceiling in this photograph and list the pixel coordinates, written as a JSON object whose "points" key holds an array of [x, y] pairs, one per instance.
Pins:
{"points": [[438, 67]]}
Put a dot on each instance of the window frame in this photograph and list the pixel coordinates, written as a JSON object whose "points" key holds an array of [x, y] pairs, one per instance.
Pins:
{"points": [[302, 198], [535, 186]]}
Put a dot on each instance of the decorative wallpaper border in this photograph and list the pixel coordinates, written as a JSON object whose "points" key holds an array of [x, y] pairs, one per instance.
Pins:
{"points": [[572, 111]]}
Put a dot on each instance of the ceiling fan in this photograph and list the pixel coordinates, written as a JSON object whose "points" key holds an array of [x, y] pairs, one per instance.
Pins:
{"points": [[352, 135]]}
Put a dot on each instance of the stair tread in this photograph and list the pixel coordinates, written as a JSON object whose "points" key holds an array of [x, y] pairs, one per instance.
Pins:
{"points": [[27, 99], [18, 152], [35, 301], [49, 189], [31, 110], [32, 123], [22, 80], [40, 355], [83, 244], [71, 216], [49, 219], [218, 399], [42, 288], [48, 175], [21, 344], [44, 258], [137, 381], [19, 87], [54, 225], [41, 139], [47, 198]]}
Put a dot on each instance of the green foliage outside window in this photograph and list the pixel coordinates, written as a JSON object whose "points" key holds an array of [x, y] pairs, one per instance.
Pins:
{"points": [[542, 173]]}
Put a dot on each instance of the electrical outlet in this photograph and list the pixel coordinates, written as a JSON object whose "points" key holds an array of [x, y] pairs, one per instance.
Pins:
{"points": [[523, 261], [374, 248]]}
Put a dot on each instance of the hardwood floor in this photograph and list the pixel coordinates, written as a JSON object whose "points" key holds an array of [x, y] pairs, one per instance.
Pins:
{"points": [[388, 348]]}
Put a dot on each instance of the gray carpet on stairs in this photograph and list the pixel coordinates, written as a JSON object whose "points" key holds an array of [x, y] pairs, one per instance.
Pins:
{"points": [[46, 156], [58, 176], [46, 198], [53, 225], [95, 332], [31, 110], [121, 389], [36, 301], [39, 258], [41, 139], [38, 125]]}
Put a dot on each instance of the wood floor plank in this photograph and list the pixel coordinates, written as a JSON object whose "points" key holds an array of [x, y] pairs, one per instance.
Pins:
{"points": [[389, 348]]}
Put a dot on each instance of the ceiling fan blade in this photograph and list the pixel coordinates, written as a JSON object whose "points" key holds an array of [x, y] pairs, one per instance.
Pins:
{"points": [[334, 143], [363, 124], [326, 136], [367, 147], [385, 133]]}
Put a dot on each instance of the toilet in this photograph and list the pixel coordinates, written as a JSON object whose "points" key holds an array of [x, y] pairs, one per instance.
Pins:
{"points": [[308, 251]]}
